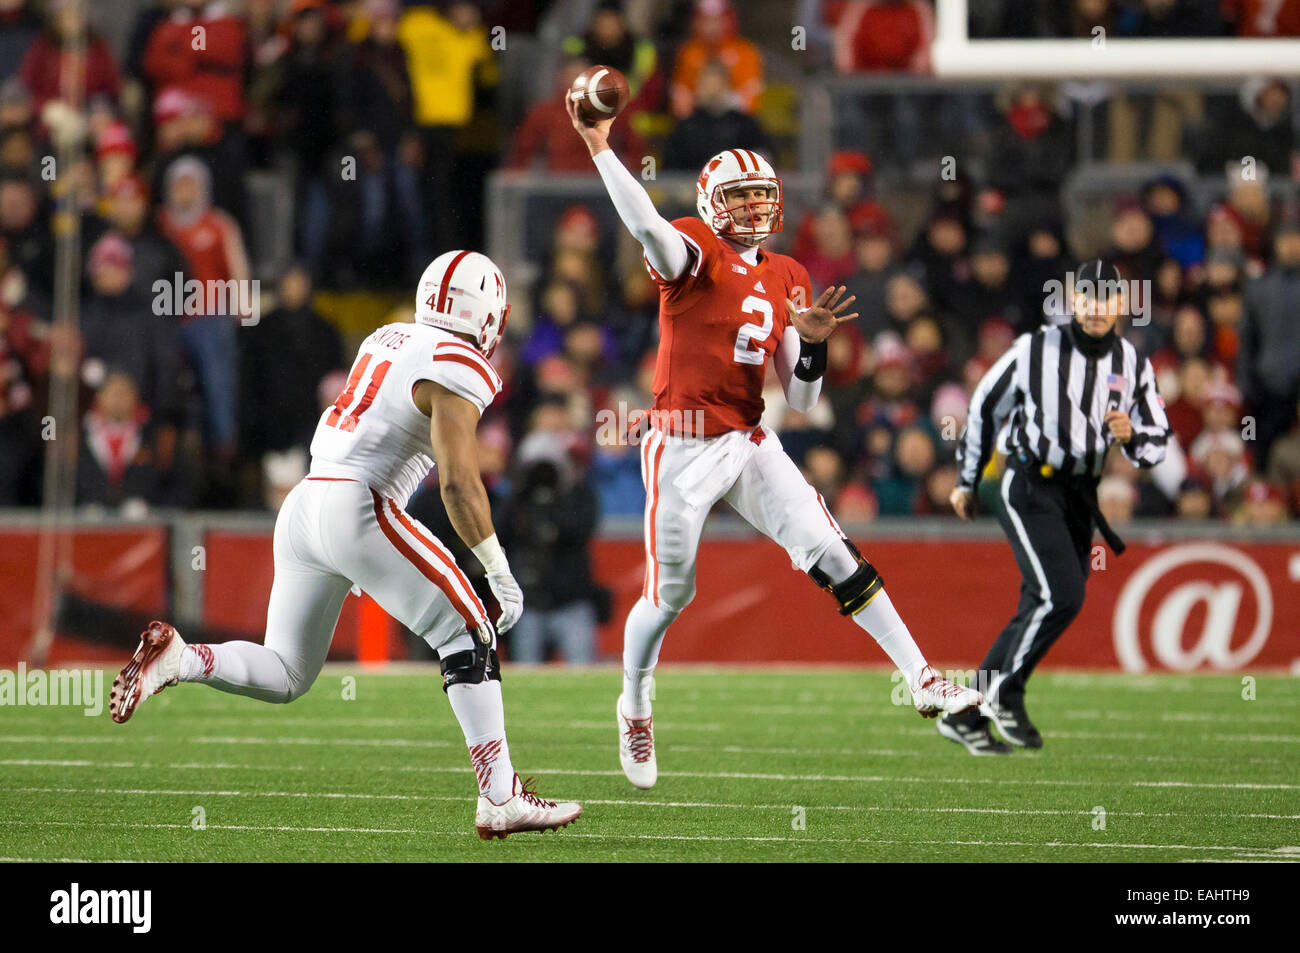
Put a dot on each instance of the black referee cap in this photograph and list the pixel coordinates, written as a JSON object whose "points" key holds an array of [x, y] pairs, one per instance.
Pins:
{"points": [[1098, 279]]}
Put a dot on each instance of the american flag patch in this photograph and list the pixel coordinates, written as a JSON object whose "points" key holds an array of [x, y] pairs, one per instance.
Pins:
{"points": [[1116, 382]]}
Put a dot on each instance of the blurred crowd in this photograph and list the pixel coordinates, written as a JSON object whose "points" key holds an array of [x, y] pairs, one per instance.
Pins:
{"points": [[1214, 312], [386, 117]]}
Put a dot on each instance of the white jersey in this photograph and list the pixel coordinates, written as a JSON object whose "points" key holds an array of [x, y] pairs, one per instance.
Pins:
{"points": [[374, 432]]}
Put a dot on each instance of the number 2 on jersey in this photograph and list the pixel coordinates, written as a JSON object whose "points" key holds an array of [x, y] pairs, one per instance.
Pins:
{"points": [[751, 332], [343, 415]]}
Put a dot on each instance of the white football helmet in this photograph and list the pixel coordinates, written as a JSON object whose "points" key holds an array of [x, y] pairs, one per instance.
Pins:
{"points": [[464, 292], [737, 168]]}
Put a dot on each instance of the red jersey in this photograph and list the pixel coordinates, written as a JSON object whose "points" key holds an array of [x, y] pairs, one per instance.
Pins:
{"points": [[719, 321]]}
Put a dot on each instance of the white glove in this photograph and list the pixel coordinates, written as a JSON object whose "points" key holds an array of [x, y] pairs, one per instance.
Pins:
{"points": [[509, 596], [504, 587]]}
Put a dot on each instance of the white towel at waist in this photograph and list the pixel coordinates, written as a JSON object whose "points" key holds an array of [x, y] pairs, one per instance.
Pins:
{"points": [[717, 467]]}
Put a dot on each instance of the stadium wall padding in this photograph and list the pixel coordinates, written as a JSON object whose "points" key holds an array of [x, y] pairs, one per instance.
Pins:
{"points": [[1188, 605], [124, 571]]}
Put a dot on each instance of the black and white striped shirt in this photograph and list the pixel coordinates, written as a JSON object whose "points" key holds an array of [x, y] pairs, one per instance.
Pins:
{"points": [[1053, 399]]}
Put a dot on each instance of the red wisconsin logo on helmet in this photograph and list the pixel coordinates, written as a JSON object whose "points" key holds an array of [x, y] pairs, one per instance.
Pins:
{"points": [[703, 182]]}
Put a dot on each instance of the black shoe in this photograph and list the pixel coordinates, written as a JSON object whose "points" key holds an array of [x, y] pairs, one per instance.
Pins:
{"points": [[974, 737], [1013, 723]]}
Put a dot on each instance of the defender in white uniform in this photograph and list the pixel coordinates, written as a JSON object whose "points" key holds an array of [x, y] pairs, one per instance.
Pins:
{"points": [[413, 398]]}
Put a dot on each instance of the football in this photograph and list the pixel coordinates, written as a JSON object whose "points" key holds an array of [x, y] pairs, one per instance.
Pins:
{"points": [[601, 92]]}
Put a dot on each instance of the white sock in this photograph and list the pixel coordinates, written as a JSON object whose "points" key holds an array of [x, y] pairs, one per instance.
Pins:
{"points": [[879, 618], [482, 717], [643, 634], [241, 668], [886, 626], [197, 662]]}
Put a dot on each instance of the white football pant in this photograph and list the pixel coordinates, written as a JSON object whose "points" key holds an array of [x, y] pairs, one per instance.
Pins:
{"points": [[332, 533], [770, 494]]}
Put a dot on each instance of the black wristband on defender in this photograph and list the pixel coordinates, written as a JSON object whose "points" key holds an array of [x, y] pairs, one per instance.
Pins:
{"points": [[812, 361]]}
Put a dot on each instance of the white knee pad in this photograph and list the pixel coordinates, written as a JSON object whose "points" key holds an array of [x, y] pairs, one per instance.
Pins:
{"points": [[675, 594]]}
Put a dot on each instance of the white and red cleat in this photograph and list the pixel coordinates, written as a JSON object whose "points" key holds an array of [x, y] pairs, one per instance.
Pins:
{"points": [[525, 811], [155, 665], [933, 694], [636, 749]]}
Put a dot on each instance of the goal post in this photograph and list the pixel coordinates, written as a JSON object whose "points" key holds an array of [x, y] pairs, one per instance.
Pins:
{"points": [[956, 56]]}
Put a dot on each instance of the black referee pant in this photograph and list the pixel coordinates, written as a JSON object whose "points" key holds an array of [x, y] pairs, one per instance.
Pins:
{"points": [[1049, 524]]}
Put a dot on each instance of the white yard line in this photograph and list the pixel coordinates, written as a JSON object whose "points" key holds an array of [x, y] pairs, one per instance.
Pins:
{"points": [[1198, 784], [732, 775], [924, 752], [910, 731], [1253, 714], [802, 751], [854, 808], [69, 860], [1179, 716], [233, 740], [1147, 736], [237, 827], [30, 720], [941, 843], [67, 763], [1238, 858]]}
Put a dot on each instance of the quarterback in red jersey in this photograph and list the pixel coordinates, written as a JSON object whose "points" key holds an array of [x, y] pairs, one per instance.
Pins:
{"points": [[727, 307], [719, 322]]}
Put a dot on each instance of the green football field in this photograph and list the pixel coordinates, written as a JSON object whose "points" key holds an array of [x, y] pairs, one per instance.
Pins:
{"points": [[755, 764]]}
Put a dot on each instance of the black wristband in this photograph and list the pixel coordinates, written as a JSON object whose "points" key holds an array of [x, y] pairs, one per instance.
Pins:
{"points": [[812, 361]]}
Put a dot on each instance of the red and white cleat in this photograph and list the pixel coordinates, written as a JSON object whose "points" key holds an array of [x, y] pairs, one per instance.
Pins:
{"points": [[525, 811], [155, 665], [636, 749], [933, 694]]}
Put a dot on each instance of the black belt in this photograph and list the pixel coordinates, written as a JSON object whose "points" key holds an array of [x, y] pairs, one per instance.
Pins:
{"points": [[1083, 486]]}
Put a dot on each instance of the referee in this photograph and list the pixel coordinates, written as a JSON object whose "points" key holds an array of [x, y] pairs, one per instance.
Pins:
{"points": [[1055, 403]]}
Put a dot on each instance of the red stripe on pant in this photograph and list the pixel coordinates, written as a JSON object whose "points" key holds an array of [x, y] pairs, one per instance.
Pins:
{"points": [[830, 519], [649, 497], [440, 553], [652, 486], [427, 569]]}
